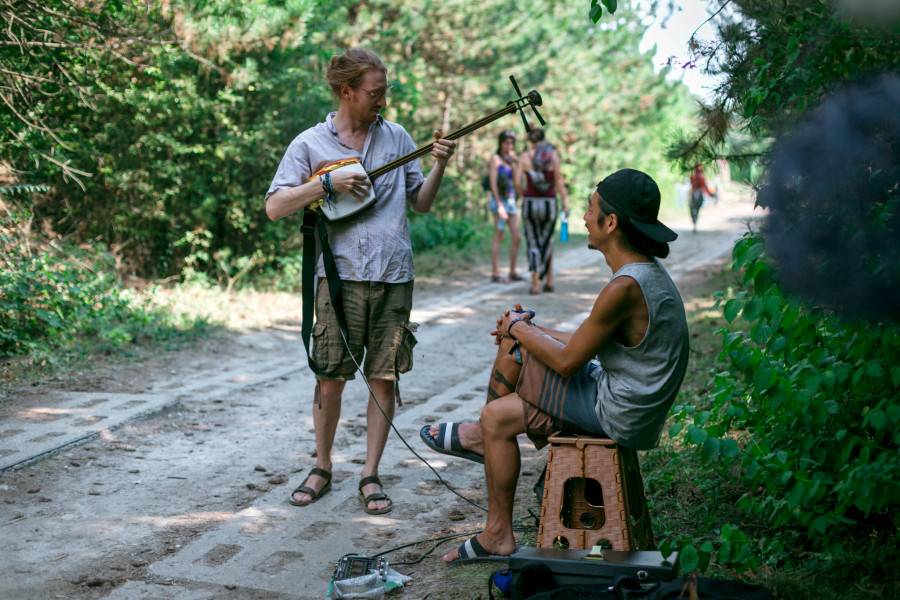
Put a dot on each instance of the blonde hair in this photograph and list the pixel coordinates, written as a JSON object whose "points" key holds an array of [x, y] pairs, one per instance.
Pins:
{"points": [[348, 68]]}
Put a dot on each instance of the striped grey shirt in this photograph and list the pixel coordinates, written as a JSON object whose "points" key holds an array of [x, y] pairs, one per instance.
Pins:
{"points": [[374, 244]]}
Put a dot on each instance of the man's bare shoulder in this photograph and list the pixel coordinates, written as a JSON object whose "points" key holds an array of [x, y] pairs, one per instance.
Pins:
{"points": [[622, 288], [616, 298]]}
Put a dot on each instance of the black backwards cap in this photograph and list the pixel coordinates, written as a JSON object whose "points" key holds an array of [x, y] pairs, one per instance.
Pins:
{"points": [[634, 194]]}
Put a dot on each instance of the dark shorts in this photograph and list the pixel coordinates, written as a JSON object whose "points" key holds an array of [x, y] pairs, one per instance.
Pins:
{"points": [[554, 403], [378, 326]]}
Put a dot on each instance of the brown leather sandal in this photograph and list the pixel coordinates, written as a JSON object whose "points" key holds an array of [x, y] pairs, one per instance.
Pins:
{"points": [[374, 496], [305, 489]]}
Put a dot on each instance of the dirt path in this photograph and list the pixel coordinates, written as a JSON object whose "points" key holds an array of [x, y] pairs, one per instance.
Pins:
{"points": [[172, 478]]}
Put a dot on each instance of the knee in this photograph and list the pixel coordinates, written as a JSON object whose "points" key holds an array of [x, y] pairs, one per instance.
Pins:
{"points": [[490, 418], [331, 388], [496, 421], [383, 389]]}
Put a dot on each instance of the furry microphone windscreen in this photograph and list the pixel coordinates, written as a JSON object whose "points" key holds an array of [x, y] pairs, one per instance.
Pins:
{"points": [[833, 194]]}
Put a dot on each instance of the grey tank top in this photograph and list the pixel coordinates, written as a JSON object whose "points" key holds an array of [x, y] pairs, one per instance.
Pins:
{"points": [[637, 385]]}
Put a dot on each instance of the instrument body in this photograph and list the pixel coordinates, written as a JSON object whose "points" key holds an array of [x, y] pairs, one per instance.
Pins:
{"points": [[342, 205]]}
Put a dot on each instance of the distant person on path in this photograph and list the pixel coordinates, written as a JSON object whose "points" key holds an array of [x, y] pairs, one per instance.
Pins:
{"points": [[502, 203], [699, 187], [373, 253], [539, 179], [615, 376]]}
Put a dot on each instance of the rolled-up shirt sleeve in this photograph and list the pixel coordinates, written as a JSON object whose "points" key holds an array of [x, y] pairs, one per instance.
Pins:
{"points": [[412, 170], [294, 168]]}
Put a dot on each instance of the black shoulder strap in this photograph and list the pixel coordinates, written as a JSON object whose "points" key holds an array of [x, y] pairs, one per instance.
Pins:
{"points": [[314, 223]]}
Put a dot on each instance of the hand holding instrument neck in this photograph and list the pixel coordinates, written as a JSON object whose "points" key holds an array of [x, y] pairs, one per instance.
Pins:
{"points": [[531, 99]]}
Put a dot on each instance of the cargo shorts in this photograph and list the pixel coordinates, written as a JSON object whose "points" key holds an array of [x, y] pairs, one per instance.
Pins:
{"points": [[380, 333]]}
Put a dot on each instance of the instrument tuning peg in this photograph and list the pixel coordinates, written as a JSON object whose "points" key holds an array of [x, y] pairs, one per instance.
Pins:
{"points": [[535, 100], [538, 115], [515, 86], [519, 96]]}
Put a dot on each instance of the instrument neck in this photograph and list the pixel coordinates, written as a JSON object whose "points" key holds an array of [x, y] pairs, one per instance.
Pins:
{"points": [[426, 149]]}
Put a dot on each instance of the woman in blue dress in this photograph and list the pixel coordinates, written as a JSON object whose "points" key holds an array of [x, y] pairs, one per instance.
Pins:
{"points": [[502, 203]]}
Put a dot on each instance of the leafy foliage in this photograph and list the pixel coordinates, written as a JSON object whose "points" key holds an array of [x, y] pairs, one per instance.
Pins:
{"points": [[597, 8], [777, 60], [427, 232], [808, 409], [63, 296], [181, 133], [49, 52], [805, 410]]}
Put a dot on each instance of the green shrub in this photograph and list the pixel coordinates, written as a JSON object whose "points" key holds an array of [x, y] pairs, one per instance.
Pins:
{"points": [[428, 231], [58, 296], [808, 409]]}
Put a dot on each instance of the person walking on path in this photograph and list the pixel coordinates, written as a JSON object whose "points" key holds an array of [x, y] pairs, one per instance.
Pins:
{"points": [[615, 376], [373, 253], [502, 203], [699, 187], [539, 180]]}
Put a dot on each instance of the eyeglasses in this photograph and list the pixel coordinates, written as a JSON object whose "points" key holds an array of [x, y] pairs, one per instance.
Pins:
{"points": [[379, 93]]}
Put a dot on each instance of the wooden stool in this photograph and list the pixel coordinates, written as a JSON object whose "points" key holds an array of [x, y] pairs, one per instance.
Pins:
{"points": [[593, 496]]}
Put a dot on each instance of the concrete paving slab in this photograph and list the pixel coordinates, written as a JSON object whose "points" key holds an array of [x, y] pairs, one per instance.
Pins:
{"points": [[35, 431], [275, 547], [140, 590]]}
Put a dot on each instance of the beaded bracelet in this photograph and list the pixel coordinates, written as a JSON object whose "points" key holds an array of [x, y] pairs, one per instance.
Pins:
{"points": [[327, 185]]}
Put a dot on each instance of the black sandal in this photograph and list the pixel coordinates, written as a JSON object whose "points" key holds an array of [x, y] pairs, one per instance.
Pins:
{"points": [[373, 497], [305, 489]]}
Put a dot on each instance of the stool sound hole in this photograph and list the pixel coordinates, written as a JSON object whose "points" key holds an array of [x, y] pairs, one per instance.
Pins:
{"points": [[582, 504]]}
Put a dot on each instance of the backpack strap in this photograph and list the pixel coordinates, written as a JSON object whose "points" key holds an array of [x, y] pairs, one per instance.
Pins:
{"points": [[314, 224]]}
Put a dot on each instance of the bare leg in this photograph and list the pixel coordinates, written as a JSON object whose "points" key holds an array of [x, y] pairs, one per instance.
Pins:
{"points": [[504, 372], [495, 248], [535, 283], [326, 416], [504, 376], [548, 278], [376, 435], [501, 421], [515, 240]]}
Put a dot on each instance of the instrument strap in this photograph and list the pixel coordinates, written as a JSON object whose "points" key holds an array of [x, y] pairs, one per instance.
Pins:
{"points": [[314, 223]]}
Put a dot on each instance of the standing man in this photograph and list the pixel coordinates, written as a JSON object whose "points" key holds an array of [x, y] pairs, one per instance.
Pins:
{"points": [[373, 253]]}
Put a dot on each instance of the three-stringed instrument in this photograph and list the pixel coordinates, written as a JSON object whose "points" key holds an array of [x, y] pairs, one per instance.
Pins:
{"points": [[341, 206]]}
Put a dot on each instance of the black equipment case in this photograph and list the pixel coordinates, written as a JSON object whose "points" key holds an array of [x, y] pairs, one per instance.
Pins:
{"points": [[581, 567]]}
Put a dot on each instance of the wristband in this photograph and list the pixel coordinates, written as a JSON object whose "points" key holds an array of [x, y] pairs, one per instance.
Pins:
{"points": [[327, 185], [509, 329]]}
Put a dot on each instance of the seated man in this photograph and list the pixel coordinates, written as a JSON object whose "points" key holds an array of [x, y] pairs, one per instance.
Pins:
{"points": [[615, 376]]}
